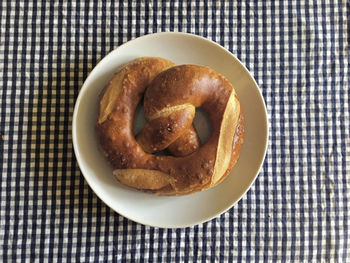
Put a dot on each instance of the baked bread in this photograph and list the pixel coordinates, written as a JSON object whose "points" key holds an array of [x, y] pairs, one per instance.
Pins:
{"points": [[171, 94]]}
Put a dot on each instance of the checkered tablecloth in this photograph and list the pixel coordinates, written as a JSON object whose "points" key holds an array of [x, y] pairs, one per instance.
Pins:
{"points": [[297, 209]]}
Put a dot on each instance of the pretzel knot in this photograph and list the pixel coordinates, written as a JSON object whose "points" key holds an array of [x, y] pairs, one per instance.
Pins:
{"points": [[171, 95], [169, 123]]}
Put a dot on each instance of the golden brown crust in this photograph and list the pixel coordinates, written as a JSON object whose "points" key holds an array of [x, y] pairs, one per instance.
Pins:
{"points": [[169, 86], [186, 144], [159, 133]]}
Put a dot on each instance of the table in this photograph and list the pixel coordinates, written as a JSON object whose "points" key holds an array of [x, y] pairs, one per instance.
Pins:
{"points": [[297, 209]]}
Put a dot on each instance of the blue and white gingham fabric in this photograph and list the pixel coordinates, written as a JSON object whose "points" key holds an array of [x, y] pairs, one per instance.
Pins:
{"points": [[298, 208]]}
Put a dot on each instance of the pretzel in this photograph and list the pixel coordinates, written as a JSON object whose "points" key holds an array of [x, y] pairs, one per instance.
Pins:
{"points": [[171, 94]]}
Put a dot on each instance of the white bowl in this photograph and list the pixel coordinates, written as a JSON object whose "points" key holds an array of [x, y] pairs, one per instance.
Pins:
{"points": [[171, 212]]}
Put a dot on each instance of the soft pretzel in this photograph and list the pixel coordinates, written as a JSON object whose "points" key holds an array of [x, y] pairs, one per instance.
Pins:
{"points": [[173, 92]]}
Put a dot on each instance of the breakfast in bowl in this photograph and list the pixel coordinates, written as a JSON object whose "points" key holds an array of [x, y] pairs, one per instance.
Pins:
{"points": [[171, 93]]}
